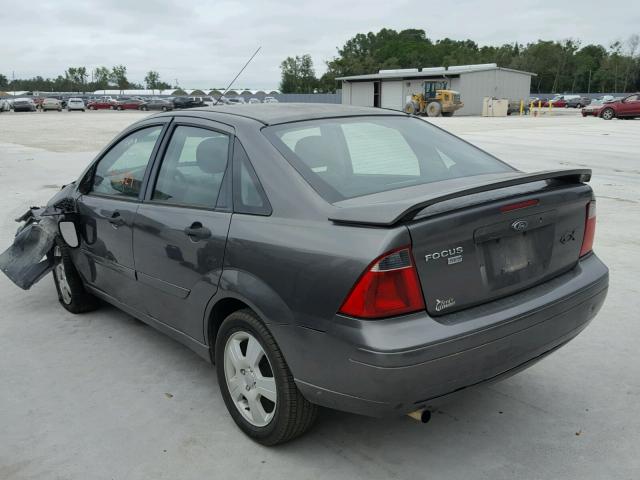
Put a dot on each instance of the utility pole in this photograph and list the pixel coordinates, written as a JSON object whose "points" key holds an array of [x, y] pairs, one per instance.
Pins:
{"points": [[13, 81]]}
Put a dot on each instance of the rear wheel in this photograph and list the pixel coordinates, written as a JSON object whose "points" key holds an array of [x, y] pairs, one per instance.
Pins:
{"points": [[434, 109], [608, 113], [71, 292], [256, 384]]}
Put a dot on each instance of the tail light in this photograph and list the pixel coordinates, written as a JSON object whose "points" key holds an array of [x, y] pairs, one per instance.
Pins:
{"points": [[389, 286], [589, 229]]}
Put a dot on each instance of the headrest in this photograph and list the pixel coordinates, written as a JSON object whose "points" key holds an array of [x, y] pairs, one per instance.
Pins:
{"points": [[211, 154], [312, 151]]}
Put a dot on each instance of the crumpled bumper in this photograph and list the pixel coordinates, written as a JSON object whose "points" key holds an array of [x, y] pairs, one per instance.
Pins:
{"points": [[27, 260]]}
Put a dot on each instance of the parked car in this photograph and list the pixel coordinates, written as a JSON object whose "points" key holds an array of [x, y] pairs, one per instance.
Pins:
{"points": [[187, 102], [558, 102], [627, 108], [75, 103], [270, 100], [253, 100], [24, 105], [51, 104], [315, 274], [102, 103], [129, 104], [578, 102], [5, 106], [593, 109], [235, 101], [157, 104]]}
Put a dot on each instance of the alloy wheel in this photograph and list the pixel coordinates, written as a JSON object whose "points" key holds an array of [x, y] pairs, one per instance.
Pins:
{"points": [[250, 379]]}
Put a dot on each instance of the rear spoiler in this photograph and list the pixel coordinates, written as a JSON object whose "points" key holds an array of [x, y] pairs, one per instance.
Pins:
{"points": [[385, 214]]}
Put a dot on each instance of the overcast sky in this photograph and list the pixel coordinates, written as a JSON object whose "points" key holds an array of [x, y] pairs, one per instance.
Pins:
{"points": [[204, 43]]}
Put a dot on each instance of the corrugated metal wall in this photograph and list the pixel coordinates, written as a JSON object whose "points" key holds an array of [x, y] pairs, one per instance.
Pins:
{"points": [[309, 97], [474, 86]]}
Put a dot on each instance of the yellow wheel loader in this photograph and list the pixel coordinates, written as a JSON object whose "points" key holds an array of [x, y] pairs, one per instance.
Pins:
{"points": [[435, 100]]}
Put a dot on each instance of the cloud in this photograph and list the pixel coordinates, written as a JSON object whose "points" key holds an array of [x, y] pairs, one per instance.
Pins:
{"points": [[204, 44]]}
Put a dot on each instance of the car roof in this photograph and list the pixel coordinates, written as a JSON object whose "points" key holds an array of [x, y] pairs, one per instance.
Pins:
{"points": [[275, 113]]}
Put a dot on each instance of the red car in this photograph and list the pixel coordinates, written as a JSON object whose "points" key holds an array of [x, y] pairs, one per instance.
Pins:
{"points": [[558, 102], [129, 104], [103, 103], [628, 107]]}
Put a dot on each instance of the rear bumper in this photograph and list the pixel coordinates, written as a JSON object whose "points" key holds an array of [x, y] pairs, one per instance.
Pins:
{"points": [[394, 366]]}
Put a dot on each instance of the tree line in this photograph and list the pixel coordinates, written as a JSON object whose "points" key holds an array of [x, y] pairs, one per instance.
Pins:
{"points": [[80, 79], [560, 66]]}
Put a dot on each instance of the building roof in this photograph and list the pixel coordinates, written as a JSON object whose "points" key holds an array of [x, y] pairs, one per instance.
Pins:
{"points": [[452, 71], [274, 113]]}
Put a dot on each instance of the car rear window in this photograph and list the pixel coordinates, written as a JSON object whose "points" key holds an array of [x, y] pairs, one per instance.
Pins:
{"points": [[349, 157]]}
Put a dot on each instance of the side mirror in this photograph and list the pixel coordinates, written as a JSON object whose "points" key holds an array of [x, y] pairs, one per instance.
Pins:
{"points": [[68, 233]]}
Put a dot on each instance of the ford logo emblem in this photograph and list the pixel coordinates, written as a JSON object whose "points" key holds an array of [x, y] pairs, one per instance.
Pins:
{"points": [[520, 225]]}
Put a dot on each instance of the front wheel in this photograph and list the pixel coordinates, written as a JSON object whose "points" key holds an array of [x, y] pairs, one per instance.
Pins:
{"points": [[256, 384], [71, 292], [608, 114], [434, 109]]}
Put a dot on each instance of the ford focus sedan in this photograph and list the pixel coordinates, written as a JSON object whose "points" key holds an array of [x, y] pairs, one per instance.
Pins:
{"points": [[321, 255]]}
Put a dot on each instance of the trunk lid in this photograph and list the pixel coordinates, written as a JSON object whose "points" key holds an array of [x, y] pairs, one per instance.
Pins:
{"points": [[478, 253]]}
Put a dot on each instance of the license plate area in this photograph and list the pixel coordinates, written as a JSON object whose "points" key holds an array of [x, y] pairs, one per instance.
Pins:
{"points": [[509, 257]]}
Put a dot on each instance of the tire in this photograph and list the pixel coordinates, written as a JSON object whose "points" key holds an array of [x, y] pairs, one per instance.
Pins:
{"points": [[164, 109], [608, 113], [71, 292], [277, 422], [411, 108], [119, 108], [434, 109], [579, 105], [450, 114], [92, 108]]}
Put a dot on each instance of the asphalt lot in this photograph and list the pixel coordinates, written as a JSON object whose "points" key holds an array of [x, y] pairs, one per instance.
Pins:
{"points": [[102, 396]]}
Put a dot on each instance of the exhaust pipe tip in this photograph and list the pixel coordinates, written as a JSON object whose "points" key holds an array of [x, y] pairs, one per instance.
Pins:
{"points": [[422, 415]]}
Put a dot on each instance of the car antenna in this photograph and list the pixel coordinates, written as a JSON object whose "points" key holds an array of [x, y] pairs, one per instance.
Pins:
{"points": [[234, 78]]}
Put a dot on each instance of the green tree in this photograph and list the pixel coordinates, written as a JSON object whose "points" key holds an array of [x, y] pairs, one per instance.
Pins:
{"points": [[298, 75], [101, 77], [3, 81], [119, 76], [152, 79]]}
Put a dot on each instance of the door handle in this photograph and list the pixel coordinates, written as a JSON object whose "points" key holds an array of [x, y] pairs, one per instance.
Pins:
{"points": [[196, 230], [116, 219]]}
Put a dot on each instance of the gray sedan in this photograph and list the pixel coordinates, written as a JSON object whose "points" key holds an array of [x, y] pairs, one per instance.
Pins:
{"points": [[323, 255], [157, 104]]}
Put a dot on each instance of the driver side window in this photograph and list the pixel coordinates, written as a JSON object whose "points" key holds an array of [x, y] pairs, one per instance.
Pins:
{"points": [[121, 171]]}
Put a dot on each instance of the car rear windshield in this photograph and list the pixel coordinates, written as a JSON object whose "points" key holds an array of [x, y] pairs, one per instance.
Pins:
{"points": [[344, 158]]}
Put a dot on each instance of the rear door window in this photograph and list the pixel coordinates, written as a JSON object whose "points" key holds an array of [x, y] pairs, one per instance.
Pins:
{"points": [[193, 168]]}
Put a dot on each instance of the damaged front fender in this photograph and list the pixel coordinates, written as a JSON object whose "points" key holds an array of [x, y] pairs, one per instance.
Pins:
{"points": [[29, 258]]}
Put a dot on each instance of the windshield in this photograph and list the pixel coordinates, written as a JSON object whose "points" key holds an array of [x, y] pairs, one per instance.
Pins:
{"points": [[349, 157]]}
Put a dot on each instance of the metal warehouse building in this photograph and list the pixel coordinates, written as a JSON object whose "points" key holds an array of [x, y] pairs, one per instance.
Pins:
{"points": [[391, 88]]}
